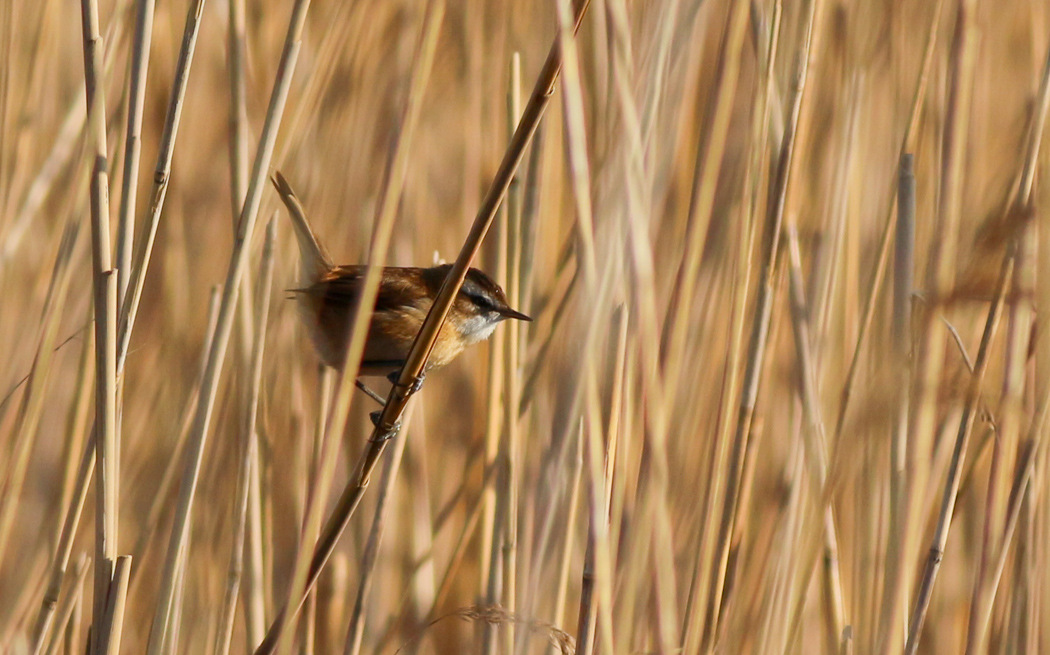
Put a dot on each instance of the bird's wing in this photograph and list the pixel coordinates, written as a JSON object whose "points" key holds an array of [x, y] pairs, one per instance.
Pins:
{"points": [[343, 284]]}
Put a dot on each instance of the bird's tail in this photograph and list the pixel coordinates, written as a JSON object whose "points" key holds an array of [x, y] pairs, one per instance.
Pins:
{"points": [[313, 258]]}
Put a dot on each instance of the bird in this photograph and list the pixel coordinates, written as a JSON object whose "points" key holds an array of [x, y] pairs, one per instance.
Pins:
{"points": [[328, 294]]}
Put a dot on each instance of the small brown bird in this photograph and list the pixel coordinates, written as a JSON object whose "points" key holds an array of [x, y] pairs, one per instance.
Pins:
{"points": [[328, 295]]}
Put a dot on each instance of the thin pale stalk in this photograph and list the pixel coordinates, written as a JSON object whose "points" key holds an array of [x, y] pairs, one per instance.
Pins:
{"points": [[162, 498], [600, 500], [238, 150], [161, 177], [238, 129], [255, 580], [510, 444], [596, 585], [113, 620], [491, 569], [171, 640], [228, 614], [65, 545], [529, 225], [562, 584], [815, 447], [255, 619], [133, 142], [489, 579], [66, 608], [308, 535]]}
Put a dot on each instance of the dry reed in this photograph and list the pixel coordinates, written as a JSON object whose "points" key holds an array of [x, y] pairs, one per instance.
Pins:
{"points": [[725, 431]]}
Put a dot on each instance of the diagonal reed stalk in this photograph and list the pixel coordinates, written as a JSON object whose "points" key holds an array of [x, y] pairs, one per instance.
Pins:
{"points": [[161, 178], [412, 371]]}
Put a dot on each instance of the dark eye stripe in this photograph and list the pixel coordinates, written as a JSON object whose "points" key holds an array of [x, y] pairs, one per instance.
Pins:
{"points": [[481, 301]]}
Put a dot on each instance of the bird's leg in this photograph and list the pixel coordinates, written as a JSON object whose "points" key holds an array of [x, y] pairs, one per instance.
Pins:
{"points": [[368, 392], [383, 435]]}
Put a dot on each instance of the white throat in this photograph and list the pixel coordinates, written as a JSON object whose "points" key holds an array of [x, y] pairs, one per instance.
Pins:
{"points": [[477, 328]]}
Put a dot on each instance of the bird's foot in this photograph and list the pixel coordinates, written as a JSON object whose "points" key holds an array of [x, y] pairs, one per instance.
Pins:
{"points": [[408, 389], [383, 433]]}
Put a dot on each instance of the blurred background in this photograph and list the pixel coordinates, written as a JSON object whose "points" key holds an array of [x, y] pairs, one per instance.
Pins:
{"points": [[681, 446]]}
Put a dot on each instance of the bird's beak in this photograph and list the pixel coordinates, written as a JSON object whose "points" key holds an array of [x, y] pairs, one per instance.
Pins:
{"points": [[507, 312]]}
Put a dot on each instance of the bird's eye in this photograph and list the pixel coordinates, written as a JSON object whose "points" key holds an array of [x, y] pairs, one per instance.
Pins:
{"points": [[482, 302]]}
